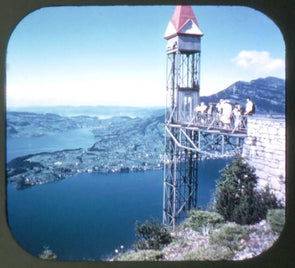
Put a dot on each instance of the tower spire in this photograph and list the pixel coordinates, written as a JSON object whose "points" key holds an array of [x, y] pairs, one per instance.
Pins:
{"points": [[183, 22]]}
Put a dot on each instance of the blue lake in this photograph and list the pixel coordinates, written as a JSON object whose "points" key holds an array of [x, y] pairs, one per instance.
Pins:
{"points": [[77, 138], [85, 217], [88, 216]]}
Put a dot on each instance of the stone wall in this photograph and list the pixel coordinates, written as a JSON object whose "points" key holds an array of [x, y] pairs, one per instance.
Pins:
{"points": [[265, 149]]}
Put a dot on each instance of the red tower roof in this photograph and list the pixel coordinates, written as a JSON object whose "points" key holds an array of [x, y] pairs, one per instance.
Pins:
{"points": [[183, 22]]}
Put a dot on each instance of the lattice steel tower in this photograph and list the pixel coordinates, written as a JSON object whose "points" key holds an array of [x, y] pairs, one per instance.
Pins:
{"points": [[183, 49]]}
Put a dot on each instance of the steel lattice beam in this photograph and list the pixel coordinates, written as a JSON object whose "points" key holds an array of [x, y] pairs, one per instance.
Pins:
{"points": [[210, 143]]}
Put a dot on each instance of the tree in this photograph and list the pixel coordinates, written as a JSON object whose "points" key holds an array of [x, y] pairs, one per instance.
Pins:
{"points": [[236, 196]]}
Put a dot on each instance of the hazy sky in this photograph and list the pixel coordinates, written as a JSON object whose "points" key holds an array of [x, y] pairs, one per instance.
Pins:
{"points": [[116, 55]]}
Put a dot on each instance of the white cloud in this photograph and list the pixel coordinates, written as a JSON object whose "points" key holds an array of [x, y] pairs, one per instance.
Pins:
{"points": [[258, 61]]}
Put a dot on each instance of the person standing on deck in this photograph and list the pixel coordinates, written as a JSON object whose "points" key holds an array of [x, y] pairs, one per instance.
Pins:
{"points": [[237, 112], [227, 113], [250, 108]]}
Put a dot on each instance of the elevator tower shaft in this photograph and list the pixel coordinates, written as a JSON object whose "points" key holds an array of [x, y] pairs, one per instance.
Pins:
{"points": [[183, 37]]}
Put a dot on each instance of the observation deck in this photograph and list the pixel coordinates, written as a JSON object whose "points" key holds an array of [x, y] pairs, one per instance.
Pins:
{"points": [[208, 134]]}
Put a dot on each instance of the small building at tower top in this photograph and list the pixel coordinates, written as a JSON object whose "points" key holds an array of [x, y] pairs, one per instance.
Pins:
{"points": [[183, 32], [183, 36]]}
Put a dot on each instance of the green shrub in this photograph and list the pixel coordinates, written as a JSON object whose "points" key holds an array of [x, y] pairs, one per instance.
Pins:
{"points": [[236, 196], [268, 201], [200, 218], [211, 253], [141, 255], [230, 236], [151, 235], [276, 219]]}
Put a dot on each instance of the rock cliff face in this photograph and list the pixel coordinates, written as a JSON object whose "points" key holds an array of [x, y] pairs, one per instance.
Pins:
{"points": [[265, 149]]}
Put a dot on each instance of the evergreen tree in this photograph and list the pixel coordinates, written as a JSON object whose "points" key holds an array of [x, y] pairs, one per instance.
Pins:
{"points": [[237, 200]]}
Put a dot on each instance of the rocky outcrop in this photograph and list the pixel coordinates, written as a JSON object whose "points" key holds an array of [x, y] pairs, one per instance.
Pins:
{"points": [[265, 149], [191, 245]]}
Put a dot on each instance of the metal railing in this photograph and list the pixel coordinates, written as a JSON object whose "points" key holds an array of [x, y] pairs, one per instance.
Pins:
{"points": [[212, 121]]}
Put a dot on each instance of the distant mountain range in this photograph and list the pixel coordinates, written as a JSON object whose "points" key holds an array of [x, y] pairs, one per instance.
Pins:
{"points": [[268, 94]]}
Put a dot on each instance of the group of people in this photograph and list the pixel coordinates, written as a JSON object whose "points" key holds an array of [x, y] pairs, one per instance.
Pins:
{"points": [[226, 114]]}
